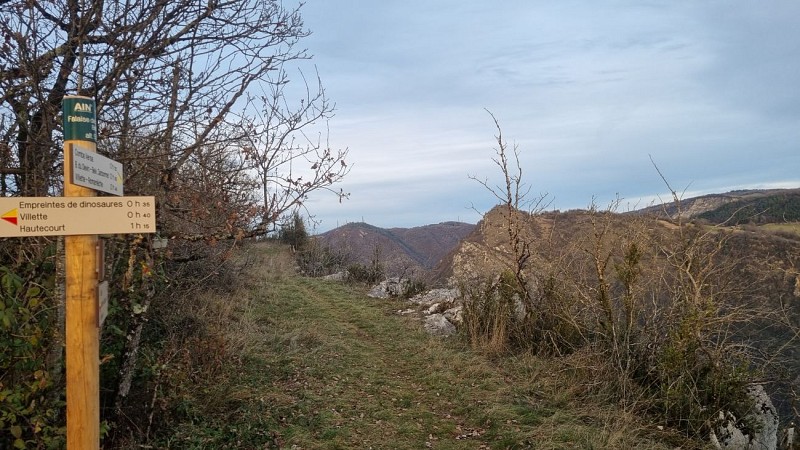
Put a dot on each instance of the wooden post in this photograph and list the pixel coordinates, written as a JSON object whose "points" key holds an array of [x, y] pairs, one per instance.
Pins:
{"points": [[82, 332]]}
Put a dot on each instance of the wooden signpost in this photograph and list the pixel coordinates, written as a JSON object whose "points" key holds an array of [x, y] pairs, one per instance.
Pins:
{"points": [[82, 333], [80, 217]]}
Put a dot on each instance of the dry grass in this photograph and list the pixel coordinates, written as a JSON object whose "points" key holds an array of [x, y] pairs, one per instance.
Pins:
{"points": [[792, 227], [314, 364]]}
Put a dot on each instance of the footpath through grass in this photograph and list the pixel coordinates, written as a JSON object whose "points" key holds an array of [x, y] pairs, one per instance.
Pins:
{"points": [[326, 367]]}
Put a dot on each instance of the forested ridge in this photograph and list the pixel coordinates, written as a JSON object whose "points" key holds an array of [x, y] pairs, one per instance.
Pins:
{"points": [[775, 208]]}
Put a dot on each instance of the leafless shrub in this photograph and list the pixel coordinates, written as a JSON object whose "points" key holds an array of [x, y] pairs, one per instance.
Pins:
{"points": [[661, 302]]}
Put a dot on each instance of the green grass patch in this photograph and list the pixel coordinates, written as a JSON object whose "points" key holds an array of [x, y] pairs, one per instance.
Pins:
{"points": [[791, 227]]}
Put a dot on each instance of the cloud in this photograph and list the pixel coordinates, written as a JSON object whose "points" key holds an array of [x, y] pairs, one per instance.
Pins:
{"points": [[587, 90]]}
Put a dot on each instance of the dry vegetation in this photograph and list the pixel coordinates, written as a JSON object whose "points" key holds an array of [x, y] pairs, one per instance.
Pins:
{"points": [[679, 319], [302, 362]]}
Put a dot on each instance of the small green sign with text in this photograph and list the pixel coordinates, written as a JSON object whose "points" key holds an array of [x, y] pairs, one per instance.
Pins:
{"points": [[80, 120]]}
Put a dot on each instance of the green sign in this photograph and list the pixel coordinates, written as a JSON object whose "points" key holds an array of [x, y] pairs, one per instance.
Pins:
{"points": [[80, 120]]}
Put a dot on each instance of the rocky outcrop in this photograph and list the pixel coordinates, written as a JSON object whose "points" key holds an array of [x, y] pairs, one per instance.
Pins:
{"points": [[789, 438], [726, 435], [338, 276], [436, 296], [390, 288], [439, 308], [455, 315], [763, 418], [438, 325], [442, 310]]}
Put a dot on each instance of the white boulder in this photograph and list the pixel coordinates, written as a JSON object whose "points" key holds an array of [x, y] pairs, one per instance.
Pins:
{"points": [[763, 416], [438, 325]]}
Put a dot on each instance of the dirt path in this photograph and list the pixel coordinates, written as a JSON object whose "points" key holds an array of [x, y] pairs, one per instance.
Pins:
{"points": [[363, 377]]}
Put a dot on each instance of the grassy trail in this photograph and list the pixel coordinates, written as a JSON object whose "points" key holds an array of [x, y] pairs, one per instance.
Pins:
{"points": [[362, 377], [328, 368]]}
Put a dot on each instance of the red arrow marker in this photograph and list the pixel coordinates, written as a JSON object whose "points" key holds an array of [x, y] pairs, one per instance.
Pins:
{"points": [[10, 216]]}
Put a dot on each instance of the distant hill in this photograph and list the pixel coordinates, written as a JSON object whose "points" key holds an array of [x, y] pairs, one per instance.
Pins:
{"points": [[773, 208], [485, 249], [735, 207], [402, 250]]}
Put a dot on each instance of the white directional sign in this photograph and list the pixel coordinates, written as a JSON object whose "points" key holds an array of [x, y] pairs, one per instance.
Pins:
{"points": [[95, 171], [64, 216]]}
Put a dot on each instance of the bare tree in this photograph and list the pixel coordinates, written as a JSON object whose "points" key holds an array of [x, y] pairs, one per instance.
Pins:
{"points": [[513, 195], [169, 70], [173, 82], [291, 157]]}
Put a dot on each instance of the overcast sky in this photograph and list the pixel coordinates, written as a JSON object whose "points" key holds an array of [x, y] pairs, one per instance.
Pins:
{"points": [[587, 90]]}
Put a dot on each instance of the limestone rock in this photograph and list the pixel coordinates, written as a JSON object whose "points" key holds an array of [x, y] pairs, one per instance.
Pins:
{"points": [[788, 439], [438, 325], [338, 276], [436, 296], [392, 287], [726, 435], [435, 308], [437, 305], [455, 315], [765, 417]]}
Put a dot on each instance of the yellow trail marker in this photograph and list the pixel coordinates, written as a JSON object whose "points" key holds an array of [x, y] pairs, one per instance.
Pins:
{"points": [[10, 216]]}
